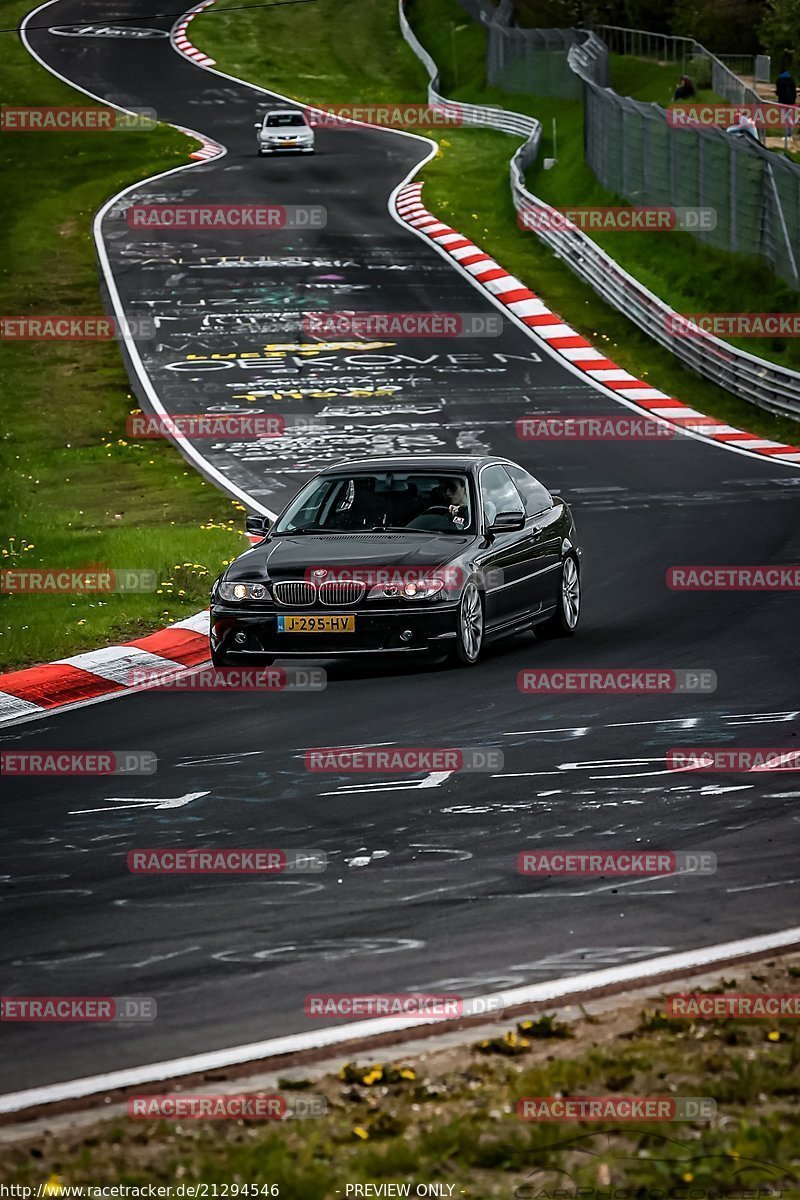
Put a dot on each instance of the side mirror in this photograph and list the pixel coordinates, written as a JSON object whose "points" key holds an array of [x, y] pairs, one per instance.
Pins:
{"points": [[257, 526], [507, 522], [256, 124]]}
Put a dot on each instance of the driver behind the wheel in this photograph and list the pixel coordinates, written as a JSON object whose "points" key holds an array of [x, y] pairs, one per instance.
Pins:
{"points": [[457, 501]]}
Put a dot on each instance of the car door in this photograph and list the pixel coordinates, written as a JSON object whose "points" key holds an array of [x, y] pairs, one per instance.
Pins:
{"points": [[505, 560], [543, 538]]}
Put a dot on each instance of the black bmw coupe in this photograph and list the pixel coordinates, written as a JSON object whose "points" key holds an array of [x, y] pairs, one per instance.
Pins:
{"points": [[408, 556]]}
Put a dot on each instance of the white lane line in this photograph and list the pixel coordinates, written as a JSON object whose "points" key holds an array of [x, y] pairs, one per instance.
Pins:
{"points": [[643, 972], [756, 887], [119, 802]]}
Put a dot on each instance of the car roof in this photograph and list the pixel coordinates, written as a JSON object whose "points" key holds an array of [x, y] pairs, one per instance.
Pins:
{"points": [[416, 464], [284, 112]]}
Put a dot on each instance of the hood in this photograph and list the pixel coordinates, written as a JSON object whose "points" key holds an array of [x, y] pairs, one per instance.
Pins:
{"points": [[288, 557]]}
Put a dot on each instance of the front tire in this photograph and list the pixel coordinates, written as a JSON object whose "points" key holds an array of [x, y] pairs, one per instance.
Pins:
{"points": [[470, 627], [218, 659], [564, 621]]}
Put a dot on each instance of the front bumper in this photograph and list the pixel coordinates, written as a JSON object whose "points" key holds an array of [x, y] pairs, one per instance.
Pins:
{"points": [[278, 148], [378, 631]]}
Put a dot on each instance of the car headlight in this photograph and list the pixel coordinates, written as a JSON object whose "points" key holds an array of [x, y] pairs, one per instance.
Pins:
{"points": [[420, 589], [242, 591]]}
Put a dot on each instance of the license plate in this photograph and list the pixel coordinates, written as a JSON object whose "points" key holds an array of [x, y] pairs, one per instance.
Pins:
{"points": [[325, 624], [290, 142]]}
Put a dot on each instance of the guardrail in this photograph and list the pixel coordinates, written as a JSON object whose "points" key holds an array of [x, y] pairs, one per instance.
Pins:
{"points": [[770, 386]]}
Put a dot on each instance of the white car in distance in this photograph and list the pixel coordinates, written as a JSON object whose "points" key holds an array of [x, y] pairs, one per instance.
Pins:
{"points": [[285, 129]]}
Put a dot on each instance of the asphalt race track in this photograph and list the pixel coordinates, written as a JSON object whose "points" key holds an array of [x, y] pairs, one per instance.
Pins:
{"points": [[421, 892]]}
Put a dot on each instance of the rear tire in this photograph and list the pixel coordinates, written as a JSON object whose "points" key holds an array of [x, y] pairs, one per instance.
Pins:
{"points": [[564, 621]]}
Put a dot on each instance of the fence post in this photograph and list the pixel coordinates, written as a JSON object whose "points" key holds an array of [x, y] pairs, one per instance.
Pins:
{"points": [[734, 238], [782, 220]]}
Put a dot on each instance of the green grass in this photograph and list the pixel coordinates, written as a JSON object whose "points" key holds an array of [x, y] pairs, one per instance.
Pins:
{"points": [[651, 81], [452, 1118], [75, 490], [352, 51]]}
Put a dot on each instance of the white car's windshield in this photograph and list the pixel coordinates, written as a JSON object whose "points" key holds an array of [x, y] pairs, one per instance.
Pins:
{"points": [[430, 501], [291, 119]]}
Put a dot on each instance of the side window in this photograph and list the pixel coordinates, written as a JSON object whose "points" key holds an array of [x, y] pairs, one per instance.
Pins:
{"points": [[499, 493], [535, 494]]}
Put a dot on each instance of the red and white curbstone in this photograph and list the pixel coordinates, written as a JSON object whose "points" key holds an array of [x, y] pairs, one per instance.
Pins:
{"points": [[181, 41], [100, 673], [570, 345]]}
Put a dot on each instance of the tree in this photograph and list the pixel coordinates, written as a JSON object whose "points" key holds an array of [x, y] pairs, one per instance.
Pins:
{"points": [[780, 31], [726, 27]]}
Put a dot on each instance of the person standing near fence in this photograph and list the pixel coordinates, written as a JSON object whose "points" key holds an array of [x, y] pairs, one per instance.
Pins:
{"points": [[786, 91], [785, 88]]}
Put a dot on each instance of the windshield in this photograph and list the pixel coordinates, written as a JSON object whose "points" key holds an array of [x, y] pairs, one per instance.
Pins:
{"points": [[284, 119], [426, 501]]}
